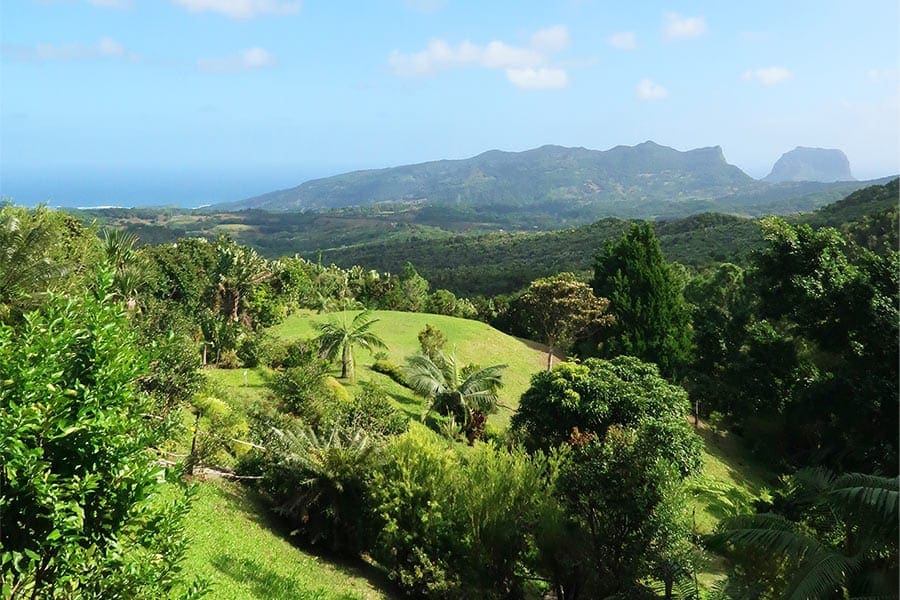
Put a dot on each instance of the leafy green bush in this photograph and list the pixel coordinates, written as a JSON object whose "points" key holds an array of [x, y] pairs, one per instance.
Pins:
{"points": [[372, 411], [452, 526], [414, 495], [386, 367], [79, 496], [301, 390]]}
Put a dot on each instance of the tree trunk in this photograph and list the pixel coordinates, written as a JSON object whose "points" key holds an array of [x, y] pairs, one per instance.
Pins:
{"points": [[550, 358], [346, 362]]}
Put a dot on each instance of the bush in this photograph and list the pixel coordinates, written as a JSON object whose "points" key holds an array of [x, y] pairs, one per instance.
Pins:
{"points": [[454, 527], [301, 390], [79, 498], [373, 412], [320, 483], [229, 360], [261, 349], [386, 367]]}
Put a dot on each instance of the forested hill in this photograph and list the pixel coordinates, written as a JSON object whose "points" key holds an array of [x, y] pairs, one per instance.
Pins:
{"points": [[503, 262], [548, 174], [554, 186]]}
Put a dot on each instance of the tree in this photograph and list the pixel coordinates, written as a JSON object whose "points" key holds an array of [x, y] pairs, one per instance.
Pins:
{"points": [[339, 337], [41, 251], [646, 297], [239, 270], [814, 371], [79, 501], [468, 394], [621, 516], [598, 394], [829, 535], [560, 309], [432, 342]]}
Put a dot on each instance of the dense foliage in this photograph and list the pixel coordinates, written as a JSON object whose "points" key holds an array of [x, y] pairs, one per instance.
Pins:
{"points": [[79, 494]]}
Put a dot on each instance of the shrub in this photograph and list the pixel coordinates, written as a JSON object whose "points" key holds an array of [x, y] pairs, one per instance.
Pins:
{"points": [[79, 496], [320, 482], [372, 411], [386, 367], [229, 360]]}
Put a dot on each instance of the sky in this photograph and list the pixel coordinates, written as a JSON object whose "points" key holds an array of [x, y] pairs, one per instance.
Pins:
{"points": [[197, 101]]}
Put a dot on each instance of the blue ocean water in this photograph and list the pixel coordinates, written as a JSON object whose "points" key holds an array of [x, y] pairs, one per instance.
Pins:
{"points": [[187, 188]]}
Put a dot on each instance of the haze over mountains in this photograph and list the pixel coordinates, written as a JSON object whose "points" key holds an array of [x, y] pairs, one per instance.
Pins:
{"points": [[646, 180]]}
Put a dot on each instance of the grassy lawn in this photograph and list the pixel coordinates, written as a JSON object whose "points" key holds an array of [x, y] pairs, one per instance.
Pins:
{"points": [[242, 555], [470, 341]]}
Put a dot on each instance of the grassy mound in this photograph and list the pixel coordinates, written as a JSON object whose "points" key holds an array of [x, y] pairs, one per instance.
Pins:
{"points": [[470, 341]]}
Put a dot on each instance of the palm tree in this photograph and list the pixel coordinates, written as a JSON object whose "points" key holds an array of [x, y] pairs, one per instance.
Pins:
{"points": [[240, 269], [339, 336], [467, 394], [26, 269], [844, 546], [324, 488]]}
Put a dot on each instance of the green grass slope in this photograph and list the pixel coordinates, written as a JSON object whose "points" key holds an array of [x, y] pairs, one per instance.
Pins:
{"points": [[243, 556], [469, 341]]}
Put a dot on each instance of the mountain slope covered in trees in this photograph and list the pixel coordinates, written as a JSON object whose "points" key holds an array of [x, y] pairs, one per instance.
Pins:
{"points": [[556, 185]]}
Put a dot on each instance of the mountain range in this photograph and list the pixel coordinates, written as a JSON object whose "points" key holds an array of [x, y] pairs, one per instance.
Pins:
{"points": [[643, 181]]}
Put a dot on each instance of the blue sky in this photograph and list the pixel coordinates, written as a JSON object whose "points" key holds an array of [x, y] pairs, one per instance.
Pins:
{"points": [[234, 97]]}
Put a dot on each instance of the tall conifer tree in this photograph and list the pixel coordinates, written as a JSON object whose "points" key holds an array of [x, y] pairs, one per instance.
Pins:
{"points": [[646, 297]]}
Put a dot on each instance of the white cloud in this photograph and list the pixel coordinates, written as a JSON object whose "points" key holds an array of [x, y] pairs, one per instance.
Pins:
{"points": [[882, 75], [527, 67], [623, 40], [542, 78], [245, 60], [104, 48], [679, 27], [550, 40], [243, 9], [649, 90], [768, 76]]}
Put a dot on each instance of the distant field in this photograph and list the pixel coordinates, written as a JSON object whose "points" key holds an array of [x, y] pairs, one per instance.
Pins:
{"points": [[469, 341]]}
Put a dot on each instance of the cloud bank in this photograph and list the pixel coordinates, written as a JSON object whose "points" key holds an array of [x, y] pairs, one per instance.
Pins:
{"points": [[679, 27], [106, 47], [647, 89], [623, 40], [527, 67]]}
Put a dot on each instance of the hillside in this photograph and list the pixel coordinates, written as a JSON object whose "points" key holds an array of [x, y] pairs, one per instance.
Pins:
{"points": [[502, 262], [547, 175], [554, 186], [469, 341]]}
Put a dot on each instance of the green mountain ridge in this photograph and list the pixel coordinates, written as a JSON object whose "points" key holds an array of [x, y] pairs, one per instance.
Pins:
{"points": [[557, 186]]}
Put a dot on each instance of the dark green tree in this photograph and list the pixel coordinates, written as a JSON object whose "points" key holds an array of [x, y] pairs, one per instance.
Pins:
{"points": [[646, 298]]}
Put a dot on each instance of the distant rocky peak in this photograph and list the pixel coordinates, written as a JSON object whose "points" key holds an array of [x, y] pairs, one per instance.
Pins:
{"points": [[811, 164]]}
